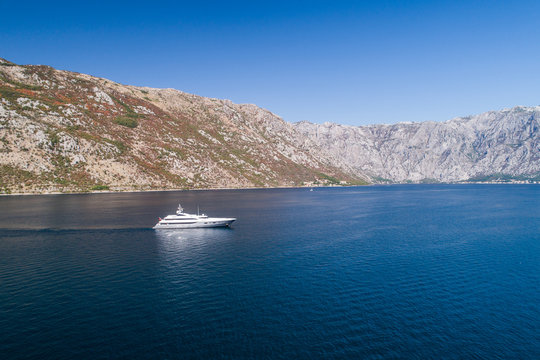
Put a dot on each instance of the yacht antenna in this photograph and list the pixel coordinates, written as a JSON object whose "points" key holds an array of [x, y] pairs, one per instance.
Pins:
{"points": [[197, 209]]}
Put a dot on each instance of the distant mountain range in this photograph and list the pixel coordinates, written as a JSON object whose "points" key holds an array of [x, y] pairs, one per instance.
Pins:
{"points": [[496, 145], [65, 131]]}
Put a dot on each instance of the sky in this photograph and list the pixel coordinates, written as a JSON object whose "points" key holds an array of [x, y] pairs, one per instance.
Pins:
{"points": [[350, 62]]}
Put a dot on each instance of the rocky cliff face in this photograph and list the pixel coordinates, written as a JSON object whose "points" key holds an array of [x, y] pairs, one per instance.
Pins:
{"points": [[487, 146], [64, 131]]}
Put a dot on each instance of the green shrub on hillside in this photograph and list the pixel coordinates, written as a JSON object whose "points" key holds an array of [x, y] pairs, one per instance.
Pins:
{"points": [[99, 187], [127, 121]]}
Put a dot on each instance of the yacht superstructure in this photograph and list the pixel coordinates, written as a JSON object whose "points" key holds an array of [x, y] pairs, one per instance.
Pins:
{"points": [[182, 220]]}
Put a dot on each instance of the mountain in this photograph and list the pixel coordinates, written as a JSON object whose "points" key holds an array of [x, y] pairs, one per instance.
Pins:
{"points": [[493, 145], [65, 131]]}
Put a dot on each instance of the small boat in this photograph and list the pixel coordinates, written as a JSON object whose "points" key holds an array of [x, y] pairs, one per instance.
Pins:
{"points": [[182, 220]]}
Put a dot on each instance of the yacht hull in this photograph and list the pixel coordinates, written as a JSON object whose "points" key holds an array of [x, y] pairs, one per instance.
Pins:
{"points": [[209, 223]]}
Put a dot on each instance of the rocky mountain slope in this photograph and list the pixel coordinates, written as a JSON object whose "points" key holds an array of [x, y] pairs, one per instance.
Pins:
{"points": [[64, 131], [494, 145]]}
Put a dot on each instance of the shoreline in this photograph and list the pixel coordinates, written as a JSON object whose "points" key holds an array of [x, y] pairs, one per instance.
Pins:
{"points": [[163, 190], [254, 188]]}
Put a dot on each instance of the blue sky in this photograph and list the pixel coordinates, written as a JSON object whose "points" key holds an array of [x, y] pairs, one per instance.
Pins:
{"points": [[351, 62]]}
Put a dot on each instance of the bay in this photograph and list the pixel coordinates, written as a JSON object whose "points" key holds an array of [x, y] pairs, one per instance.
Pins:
{"points": [[378, 272]]}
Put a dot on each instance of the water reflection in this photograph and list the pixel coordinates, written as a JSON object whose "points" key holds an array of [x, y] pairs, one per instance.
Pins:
{"points": [[182, 238], [186, 246]]}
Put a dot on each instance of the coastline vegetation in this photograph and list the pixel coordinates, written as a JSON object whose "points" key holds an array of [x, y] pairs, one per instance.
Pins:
{"points": [[502, 177], [99, 188]]}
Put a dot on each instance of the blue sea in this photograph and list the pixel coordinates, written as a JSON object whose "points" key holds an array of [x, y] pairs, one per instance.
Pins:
{"points": [[376, 272]]}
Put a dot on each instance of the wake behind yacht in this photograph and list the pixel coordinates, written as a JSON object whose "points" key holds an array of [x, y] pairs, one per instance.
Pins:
{"points": [[182, 220]]}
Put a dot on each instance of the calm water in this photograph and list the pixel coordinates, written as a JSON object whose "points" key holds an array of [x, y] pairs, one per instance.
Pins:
{"points": [[413, 272]]}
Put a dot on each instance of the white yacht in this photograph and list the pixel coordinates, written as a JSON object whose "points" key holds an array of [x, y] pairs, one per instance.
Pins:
{"points": [[183, 220]]}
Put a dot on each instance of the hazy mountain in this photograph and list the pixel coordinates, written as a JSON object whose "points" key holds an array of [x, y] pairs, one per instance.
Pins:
{"points": [[491, 145]]}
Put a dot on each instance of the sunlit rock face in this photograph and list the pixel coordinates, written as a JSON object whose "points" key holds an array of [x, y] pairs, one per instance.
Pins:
{"points": [[64, 131]]}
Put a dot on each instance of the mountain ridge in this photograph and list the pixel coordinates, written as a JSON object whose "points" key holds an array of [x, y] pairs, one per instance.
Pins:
{"points": [[494, 142], [66, 131]]}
